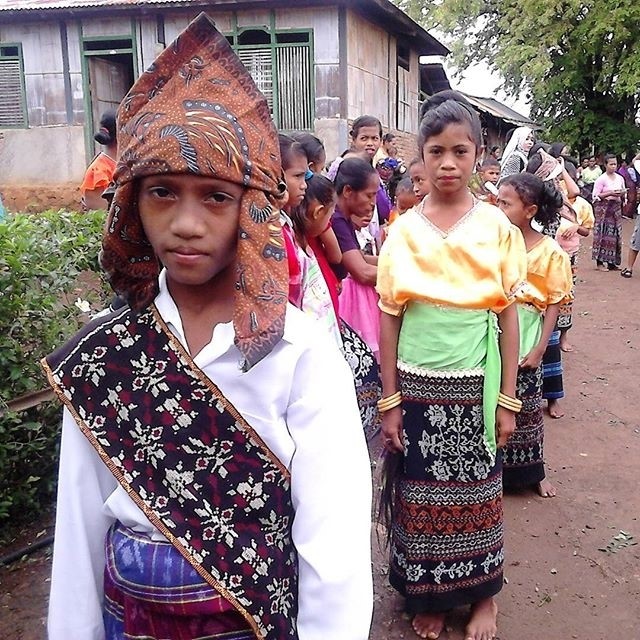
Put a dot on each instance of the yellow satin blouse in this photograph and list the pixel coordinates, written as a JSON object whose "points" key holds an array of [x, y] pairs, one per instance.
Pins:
{"points": [[477, 264], [549, 278]]}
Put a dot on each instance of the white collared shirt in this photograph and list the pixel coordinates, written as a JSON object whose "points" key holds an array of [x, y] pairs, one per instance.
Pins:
{"points": [[300, 400]]}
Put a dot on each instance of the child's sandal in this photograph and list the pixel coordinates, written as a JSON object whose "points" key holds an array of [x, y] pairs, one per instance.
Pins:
{"points": [[626, 273]]}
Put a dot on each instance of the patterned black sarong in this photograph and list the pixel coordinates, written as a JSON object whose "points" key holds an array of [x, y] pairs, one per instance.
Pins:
{"points": [[447, 532]]}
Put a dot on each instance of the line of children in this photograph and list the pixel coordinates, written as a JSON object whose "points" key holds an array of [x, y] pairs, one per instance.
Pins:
{"points": [[197, 420], [523, 198]]}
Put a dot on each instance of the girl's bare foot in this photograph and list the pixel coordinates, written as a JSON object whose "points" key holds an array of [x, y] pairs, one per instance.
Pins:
{"points": [[564, 343], [483, 622], [554, 409], [428, 625], [546, 489]]}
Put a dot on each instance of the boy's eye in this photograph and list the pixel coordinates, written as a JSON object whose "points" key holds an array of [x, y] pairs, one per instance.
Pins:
{"points": [[220, 197], [160, 192]]}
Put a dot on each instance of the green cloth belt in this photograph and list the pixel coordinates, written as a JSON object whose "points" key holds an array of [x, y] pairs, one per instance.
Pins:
{"points": [[530, 320], [451, 339]]}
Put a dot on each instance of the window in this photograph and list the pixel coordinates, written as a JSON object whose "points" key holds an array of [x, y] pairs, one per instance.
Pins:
{"points": [[403, 122], [281, 65], [12, 96]]}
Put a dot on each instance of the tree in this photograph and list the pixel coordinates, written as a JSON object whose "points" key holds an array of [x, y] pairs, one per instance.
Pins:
{"points": [[577, 61]]}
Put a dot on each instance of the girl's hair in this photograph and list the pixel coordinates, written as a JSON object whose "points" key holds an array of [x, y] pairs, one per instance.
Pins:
{"points": [[312, 146], [532, 190], [320, 190], [610, 156], [533, 152], [106, 134], [364, 121], [445, 108], [289, 148], [556, 148], [355, 173]]}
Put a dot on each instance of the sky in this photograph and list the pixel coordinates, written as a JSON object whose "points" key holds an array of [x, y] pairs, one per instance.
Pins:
{"points": [[479, 80]]}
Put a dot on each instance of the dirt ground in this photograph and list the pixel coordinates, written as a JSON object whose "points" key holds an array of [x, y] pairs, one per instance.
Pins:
{"points": [[567, 576]]}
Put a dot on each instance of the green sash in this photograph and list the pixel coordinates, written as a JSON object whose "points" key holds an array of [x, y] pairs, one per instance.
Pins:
{"points": [[530, 320], [451, 339]]}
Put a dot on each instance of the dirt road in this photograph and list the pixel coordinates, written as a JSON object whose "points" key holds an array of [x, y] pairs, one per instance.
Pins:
{"points": [[568, 576]]}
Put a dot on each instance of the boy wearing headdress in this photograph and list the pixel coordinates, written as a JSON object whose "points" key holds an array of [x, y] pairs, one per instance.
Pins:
{"points": [[214, 479]]}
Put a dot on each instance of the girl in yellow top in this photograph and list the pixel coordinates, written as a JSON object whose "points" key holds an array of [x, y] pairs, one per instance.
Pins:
{"points": [[447, 276], [524, 198]]}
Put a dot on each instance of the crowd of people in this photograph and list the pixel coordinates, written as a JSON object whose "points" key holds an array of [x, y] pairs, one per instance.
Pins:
{"points": [[274, 312]]}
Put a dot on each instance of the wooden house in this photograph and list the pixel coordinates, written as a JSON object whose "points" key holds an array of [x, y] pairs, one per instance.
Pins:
{"points": [[320, 63]]}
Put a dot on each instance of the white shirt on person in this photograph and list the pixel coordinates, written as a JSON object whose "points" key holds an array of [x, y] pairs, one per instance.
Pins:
{"points": [[300, 400]]}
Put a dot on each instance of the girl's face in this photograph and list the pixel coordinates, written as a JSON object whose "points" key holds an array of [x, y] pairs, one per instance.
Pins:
{"points": [[419, 180], [318, 217], [360, 204], [192, 225], [514, 208], [528, 142], [450, 158], [294, 176], [368, 140], [405, 199], [611, 166]]}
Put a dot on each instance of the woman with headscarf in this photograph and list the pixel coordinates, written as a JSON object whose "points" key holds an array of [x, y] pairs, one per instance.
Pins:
{"points": [[516, 153], [199, 418]]}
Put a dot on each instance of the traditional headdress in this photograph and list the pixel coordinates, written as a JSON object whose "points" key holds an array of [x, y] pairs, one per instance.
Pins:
{"points": [[197, 111], [550, 168]]}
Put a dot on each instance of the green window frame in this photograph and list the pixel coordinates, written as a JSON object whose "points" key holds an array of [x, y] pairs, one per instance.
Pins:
{"points": [[280, 62], [13, 104]]}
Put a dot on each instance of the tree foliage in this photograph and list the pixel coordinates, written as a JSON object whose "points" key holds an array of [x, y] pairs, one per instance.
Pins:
{"points": [[577, 61]]}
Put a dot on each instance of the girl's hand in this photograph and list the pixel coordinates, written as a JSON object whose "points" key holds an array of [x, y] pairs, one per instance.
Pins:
{"points": [[570, 232], [505, 425], [392, 430], [532, 360]]}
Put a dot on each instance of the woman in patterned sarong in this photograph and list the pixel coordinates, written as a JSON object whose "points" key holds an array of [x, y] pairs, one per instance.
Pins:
{"points": [[447, 276], [609, 195], [525, 198]]}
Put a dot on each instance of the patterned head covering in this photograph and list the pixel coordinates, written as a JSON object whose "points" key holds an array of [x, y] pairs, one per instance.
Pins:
{"points": [[196, 111], [550, 168]]}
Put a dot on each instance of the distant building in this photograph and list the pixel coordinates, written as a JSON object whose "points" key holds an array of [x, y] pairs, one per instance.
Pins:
{"points": [[319, 63]]}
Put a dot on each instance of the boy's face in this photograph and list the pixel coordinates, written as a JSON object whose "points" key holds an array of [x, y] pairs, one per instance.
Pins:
{"points": [[490, 174], [405, 199], [367, 139], [419, 180], [192, 225]]}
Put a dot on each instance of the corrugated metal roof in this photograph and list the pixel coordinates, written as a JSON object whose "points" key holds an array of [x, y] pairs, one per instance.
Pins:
{"points": [[35, 5], [499, 110]]}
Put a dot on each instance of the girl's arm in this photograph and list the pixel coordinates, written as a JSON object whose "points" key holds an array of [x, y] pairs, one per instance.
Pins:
{"points": [[583, 231], [392, 419], [93, 200], [509, 348], [331, 247], [534, 358], [371, 259], [361, 271], [573, 190]]}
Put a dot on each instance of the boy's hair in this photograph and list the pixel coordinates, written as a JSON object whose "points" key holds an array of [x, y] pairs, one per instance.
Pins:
{"points": [[489, 162], [445, 108], [532, 190], [388, 137], [289, 149], [355, 173], [610, 156], [415, 161], [106, 134], [556, 148], [364, 121], [312, 146], [404, 185]]}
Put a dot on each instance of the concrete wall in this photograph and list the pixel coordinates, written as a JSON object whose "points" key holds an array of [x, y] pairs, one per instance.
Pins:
{"points": [[42, 155]]}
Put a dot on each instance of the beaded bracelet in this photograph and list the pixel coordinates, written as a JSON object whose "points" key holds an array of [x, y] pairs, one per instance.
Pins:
{"points": [[513, 404]]}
